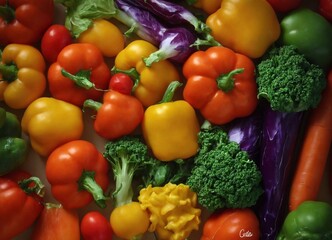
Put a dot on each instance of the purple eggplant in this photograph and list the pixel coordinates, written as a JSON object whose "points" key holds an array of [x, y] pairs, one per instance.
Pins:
{"points": [[280, 139], [174, 43], [177, 15], [247, 132]]}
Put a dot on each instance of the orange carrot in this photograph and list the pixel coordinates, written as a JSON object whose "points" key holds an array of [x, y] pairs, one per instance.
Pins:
{"points": [[314, 151]]}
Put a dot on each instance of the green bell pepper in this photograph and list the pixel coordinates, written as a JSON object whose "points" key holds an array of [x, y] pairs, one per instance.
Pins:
{"points": [[311, 33], [13, 148], [312, 220]]}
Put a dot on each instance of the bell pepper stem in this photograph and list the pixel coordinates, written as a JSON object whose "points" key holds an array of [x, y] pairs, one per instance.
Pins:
{"points": [[8, 72], [7, 13], [81, 79], [32, 185], [226, 81], [132, 73], [89, 103], [170, 91], [87, 182]]}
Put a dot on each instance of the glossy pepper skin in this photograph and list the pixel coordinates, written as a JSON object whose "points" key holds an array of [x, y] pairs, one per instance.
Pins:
{"points": [[78, 173], [21, 203], [220, 84], [208, 6], [310, 220], [56, 222], [310, 33], [13, 148], [119, 114], [170, 128], [19, 22], [50, 122], [22, 75], [79, 73], [247, 27], [152, 81], [284, 5]]}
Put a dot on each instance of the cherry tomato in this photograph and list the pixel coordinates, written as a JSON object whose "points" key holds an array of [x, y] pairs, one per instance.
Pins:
{"points": [[55, 38], [94, 226], [129, 220], [235, 224], [122, 83], [325, 9]]}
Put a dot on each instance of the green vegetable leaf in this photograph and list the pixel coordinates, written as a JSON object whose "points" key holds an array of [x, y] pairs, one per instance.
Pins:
{"points": [[81, 13]]}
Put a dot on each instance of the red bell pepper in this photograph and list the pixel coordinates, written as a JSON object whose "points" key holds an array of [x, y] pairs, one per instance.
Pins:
{"points": [[325, 9], [56, 222], [24, 21], [118, 115], [284, 5], [21, 198], [79, 73], [78, 173], [220, 84]]}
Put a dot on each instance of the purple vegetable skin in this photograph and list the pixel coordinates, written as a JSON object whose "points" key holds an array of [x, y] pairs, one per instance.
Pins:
{"points": [[280, 136], [247, 133], [174, 43]]}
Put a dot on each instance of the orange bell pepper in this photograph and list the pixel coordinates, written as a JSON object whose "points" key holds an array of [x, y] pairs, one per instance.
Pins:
{"points": [[221, 84]]}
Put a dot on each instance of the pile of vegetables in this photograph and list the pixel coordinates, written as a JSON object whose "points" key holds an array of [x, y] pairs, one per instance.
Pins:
{"points": [[159, 119]]}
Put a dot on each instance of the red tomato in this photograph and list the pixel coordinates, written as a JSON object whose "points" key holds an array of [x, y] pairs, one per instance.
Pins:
{"points": [[284, 5], [122, 83], [94, 226], [325, 9], [54, 40], [235, 224]]}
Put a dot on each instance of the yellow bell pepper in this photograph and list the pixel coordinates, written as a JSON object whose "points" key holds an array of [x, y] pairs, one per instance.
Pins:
{"points": [[208, 6], [22, 75], [248, 27], [173, 210], [152, 81], [170, 128], [104, 35], [50, 122]]}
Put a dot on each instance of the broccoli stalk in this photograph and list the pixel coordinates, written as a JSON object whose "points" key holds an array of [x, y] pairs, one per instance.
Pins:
{"points": [[128, 156], [288, 81], [223, 176], [131, 161]]}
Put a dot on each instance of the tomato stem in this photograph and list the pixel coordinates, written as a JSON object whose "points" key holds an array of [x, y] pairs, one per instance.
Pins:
{"points": [[226, 82], [32, 185], [88, 183]]}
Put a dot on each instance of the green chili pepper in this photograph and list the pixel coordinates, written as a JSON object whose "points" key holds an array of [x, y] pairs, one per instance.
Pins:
{"points": [[311, 33]]}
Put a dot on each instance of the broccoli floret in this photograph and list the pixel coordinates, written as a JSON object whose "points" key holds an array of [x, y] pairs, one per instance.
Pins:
{"points": [[223, 176], [128, 156], [288, 80]]}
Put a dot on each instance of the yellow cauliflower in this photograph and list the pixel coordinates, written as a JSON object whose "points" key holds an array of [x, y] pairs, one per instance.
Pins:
{"points": [[173, 212]]}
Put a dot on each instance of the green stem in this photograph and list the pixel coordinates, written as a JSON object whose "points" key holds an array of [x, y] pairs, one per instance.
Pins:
{"points": [[88, 183], [226, 81], [170, 91], [8, 72], [32, 185], [81, 79], [7, 13], [132, 73], [89, 103]]}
